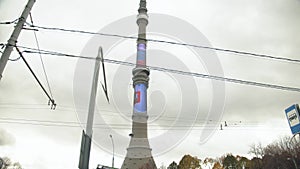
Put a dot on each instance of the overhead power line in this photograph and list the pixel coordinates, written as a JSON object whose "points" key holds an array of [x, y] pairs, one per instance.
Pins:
{"points": [[16, 59], [41, 58], [169, 42], [13, 60], [205, 76], [8, 22], [158, 41], [112, 113], [212, 77], [115, 113], [50, 123]]}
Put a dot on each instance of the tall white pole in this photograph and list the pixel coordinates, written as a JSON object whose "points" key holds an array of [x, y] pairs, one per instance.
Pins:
{"points": [[14, 36], [87, 136], [89, 125]]}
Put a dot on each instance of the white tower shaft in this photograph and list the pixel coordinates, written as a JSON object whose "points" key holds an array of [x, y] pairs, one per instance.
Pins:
{"points": [[139, 152]]}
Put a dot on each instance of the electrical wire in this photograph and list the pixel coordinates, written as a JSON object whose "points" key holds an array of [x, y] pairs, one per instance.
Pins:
{"points": [[185, 73], [104, 125], [51, 100], [14, 60], [2, 45], [8, 22], [128, 127], [199, 124], [212, 77], [116, 114], [41, 58], [169, 42]]}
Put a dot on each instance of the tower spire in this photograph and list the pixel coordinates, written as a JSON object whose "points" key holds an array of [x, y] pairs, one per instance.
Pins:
{"points": [[139, 154]]}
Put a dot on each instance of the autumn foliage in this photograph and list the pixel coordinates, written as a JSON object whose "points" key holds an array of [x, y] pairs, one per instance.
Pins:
{"points": [[283, 153]]}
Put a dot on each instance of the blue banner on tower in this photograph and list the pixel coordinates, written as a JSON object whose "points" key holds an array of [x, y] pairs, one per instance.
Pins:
{"points": [[141, 55], [293, 116], [140, 98]]}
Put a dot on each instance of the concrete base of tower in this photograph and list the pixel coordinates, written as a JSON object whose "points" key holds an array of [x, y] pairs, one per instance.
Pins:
{"points": [[139, 155], [139, 163]]}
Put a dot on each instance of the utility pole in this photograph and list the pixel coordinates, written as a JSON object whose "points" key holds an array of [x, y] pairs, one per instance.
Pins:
{"points": [[87, 137], [14, 36]]}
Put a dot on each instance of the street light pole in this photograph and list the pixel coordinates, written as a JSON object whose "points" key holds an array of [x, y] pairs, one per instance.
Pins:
{"points": [[113, 158], [86, 141]]}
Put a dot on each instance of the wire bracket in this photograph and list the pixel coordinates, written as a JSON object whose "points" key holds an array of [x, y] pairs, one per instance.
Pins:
{"points": [[51, 101], [104, 87]]}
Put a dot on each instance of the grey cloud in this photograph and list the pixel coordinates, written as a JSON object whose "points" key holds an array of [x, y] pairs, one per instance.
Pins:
{"points": [[257, 104], [269, 27], [6, 138]]}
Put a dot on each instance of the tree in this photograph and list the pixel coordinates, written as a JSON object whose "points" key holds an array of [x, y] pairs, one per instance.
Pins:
{"points": [[16, 165], [8, 164], [256, 163], [243, 162], [230, 162], [282, 153], [162, 166], [189, 162], [173, 165], [217, 165], [257, 150], [207, 163]]}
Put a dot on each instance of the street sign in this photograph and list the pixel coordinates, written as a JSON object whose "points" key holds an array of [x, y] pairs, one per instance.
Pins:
{"points": [[293, 117]]}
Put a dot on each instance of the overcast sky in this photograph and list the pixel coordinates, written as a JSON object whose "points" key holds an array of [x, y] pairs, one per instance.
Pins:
{"points": [[253, 114]]}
